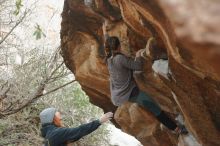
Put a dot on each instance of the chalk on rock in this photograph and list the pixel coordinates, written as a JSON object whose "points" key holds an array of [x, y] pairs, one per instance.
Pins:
{"points": [[88, 2], [188, 140], [161, 67], [180, 119]]}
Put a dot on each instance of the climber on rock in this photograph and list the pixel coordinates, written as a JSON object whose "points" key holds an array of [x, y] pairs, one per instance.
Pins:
{"points": [[56, 135], [123, 86]]}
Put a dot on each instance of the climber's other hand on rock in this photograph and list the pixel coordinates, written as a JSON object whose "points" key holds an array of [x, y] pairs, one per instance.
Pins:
{"points": [[106, 117], [138, 53]]}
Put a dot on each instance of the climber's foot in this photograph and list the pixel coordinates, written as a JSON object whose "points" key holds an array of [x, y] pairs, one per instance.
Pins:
{"points": [[181, 130]]}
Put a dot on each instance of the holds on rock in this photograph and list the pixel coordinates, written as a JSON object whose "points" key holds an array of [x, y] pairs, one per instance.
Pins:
{"points": [[188, 140], [88, 2]]}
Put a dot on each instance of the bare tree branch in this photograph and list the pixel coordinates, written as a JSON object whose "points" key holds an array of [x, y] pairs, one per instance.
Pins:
{"points": [[53, 90], [12, 29], [35, 96], [52, 79], [3, 85], [52, 73], [38, 92]]}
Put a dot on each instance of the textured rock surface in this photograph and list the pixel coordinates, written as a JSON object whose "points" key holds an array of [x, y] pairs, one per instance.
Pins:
{"points": [[187, 31]]}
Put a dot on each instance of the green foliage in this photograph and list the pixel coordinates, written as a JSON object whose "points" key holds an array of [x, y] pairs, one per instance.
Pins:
{"points": [[38, 33], [18, 5]]}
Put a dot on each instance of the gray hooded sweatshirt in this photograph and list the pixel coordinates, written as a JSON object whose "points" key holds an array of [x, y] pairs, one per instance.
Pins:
{"points": [[122, 81]]}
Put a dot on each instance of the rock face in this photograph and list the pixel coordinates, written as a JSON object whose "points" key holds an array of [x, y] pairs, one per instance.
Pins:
{"points": [[186, 31]]}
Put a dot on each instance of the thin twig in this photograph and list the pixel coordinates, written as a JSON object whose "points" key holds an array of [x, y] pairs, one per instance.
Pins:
{"points": [[35, 96], [6, 36], [52, 73], [55, 89]]}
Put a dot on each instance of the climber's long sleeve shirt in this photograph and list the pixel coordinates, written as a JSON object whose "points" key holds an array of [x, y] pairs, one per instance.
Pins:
{"points": [[122, 81]]}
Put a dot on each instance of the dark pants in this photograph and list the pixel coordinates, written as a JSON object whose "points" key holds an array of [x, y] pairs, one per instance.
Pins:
{"points": [[147, 102], [144, 100]]}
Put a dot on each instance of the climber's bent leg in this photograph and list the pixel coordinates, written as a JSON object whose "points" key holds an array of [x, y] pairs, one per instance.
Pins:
{"points": [[147, 102]]}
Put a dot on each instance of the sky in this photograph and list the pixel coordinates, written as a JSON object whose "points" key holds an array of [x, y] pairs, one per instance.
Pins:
{"points": [[48, 16]]}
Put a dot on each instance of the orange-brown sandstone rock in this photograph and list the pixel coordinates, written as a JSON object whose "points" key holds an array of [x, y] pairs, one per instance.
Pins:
{"points": [[186, 31]]}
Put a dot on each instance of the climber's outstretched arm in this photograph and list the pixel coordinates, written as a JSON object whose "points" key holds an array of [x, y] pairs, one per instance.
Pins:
{"points": [[130, 63]]}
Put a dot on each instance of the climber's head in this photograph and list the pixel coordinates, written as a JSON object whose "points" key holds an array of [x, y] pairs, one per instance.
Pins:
{"points": [[49, 116], [112, 46]]}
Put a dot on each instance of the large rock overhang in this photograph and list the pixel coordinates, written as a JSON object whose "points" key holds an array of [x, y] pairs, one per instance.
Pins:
{"points": [[183, 32]]}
